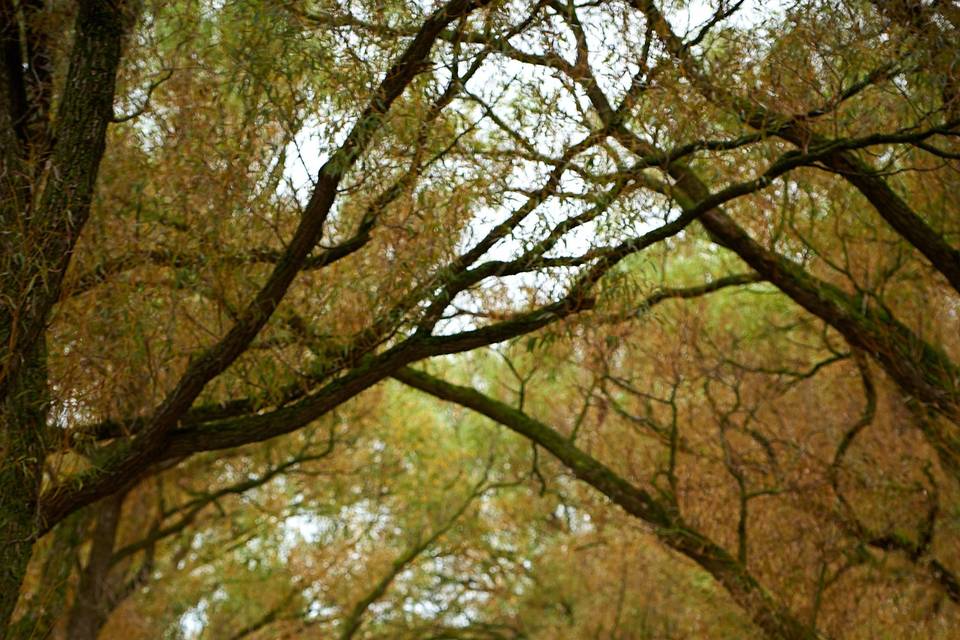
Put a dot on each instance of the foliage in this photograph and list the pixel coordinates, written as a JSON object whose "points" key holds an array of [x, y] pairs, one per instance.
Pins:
{"points": [[479, 319]]}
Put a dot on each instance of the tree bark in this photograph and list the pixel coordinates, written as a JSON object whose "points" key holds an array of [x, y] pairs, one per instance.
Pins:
{"points": [[23, 421], [35, 248]]}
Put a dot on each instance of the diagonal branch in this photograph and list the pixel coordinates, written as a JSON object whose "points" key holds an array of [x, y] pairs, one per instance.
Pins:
{"points": [[127, 461], [858, 172], [667, 525]]}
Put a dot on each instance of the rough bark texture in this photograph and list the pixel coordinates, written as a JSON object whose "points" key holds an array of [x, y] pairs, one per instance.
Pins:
{"points": [[23, 417], [41, 239], [47, 181], [37, 236]]}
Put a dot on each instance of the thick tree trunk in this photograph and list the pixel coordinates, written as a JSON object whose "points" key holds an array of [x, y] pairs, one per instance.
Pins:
{"points": [[23, 418], [15, 549], [37, 236]]}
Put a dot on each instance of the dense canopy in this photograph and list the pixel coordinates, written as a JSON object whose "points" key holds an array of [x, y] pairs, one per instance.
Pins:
{"points": [[479, 319]]}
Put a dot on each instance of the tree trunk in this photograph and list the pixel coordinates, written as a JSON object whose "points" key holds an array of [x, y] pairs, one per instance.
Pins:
{"points": [[23, 421], [97, 591], [37, 236], [44, 605], [15, 550]]}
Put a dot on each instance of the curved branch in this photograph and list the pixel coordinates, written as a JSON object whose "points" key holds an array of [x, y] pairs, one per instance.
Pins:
{"points": [[766, 612], [127, 461]]}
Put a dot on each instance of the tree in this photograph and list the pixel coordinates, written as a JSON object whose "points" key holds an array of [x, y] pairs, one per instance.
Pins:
{"points": [[487, 172]]}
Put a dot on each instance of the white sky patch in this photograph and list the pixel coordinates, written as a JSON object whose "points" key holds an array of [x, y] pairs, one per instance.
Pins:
{"points": [[306, 527], [193, 622], [751, 15]]}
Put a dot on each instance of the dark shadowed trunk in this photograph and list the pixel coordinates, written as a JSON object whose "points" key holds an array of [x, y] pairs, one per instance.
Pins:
{"points": [[97, 592], [23, 418], [38, 230]]}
